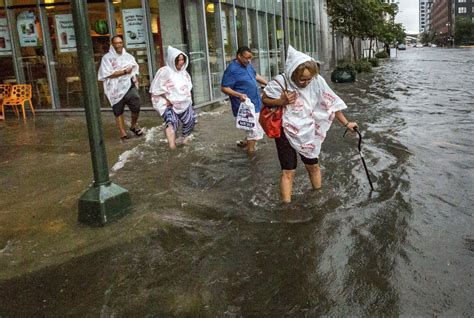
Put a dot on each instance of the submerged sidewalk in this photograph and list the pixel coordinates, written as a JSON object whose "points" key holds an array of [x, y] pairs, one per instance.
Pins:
{"points": [[45, 167]]}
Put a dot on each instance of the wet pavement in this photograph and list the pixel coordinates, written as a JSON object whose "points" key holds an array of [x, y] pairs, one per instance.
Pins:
{"points": [[207, 236]]}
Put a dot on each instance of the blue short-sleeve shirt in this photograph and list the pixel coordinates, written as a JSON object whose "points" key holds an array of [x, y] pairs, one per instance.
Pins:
{"points": [[242, 79]]}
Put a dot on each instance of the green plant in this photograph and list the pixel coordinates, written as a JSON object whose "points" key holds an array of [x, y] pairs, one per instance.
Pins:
{"points": [[381, 55], [374, 62], [363, 66]]}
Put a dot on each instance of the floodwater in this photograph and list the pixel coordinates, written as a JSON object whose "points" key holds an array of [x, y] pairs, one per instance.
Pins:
{"points": [[215, 241]]}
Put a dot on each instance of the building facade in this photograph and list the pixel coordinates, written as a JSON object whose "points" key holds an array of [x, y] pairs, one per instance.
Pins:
{"points": [[423, 12], [37, 42]]}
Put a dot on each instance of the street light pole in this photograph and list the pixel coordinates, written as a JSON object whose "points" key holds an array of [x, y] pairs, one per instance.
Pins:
{"points": [[103, 200]]}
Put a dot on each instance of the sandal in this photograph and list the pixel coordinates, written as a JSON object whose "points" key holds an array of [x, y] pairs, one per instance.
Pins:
{"points": [[124, 137], [136, 130]]}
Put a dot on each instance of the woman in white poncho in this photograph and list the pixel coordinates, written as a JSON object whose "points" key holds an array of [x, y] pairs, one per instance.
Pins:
{"points": [[310, 107], [171, 96]]}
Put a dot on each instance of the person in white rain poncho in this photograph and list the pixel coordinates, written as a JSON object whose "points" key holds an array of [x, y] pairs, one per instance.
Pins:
{"points": [[118, 70], [310, 107], [171, 96]]}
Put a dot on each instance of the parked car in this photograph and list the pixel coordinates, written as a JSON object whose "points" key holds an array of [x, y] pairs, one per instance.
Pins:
{"points": [[419, 45], [402, 46]]}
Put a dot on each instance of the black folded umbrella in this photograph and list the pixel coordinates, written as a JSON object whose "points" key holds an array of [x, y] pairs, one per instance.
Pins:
{"points": [[361, 155]]}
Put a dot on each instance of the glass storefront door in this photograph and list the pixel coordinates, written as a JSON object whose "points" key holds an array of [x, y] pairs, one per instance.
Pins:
{"points": [[216, 56], [197, 53], [31, 50]]}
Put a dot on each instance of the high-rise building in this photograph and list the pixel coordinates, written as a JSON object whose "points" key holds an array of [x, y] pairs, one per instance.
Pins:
{"points": [[423, 13]]}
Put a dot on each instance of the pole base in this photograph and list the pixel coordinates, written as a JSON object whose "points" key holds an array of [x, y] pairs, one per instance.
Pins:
{"points": [[102, 204]]}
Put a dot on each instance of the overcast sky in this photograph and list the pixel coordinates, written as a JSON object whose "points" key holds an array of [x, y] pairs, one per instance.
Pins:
{"points": [[408, 15]]}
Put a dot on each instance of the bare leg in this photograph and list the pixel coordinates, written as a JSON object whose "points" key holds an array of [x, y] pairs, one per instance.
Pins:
{"points": [[286, 185], [314, 173], [134, 120], [121, 125], [251, 146], [171, 136]]}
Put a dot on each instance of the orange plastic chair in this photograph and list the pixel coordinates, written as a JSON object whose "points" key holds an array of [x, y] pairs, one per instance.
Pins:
{"points": [[19, 96], [5, 93]]}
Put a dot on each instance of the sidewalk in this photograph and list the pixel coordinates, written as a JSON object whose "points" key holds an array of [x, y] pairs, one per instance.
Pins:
{"points": [[46, 166]]}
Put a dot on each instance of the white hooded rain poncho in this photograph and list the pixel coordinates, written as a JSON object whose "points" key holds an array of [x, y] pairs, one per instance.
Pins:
{"points": [[174, 84], [307, 121], [116, 88]]}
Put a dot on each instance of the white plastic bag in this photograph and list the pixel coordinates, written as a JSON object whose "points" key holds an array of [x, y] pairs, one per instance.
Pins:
{"points": [[246, 118]]}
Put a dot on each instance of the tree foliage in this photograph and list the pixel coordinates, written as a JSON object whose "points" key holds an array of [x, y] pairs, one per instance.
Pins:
{"points": [[464, 31], [365, 19]]}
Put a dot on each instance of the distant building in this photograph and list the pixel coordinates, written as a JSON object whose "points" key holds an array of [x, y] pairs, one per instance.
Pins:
{"points": [[423, 12]]}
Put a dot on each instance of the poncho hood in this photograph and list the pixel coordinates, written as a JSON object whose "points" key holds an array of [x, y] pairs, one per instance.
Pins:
{"points": [[173, 53], [293, 59]]}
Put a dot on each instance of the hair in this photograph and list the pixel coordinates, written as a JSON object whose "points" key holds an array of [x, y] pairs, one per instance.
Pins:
{"points": [[114, 37], [311, 66], [243, 49], [176, 59]]}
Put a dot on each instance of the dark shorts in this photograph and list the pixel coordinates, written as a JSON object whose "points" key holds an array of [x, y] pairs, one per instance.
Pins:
{"points": [[131, 99], [287, 155]]}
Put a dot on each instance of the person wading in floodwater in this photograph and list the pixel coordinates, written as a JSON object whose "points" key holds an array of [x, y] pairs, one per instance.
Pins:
{"points": [[171, 97], [310, 107], [239, 83]]}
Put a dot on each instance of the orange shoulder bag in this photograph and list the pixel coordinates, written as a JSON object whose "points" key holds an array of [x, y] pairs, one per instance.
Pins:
{"points": [[271, 116]]}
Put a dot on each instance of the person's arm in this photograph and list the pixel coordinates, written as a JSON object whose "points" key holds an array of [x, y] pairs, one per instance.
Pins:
{"points": [[283, 100], [346, 123], [119, 73], [230, 92], [261, 80], [168, 103]]}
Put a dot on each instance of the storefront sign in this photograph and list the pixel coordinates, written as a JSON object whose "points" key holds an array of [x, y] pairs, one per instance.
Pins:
{"points": [[5, 43], [26, 26], [65, 36], [133, 28]]}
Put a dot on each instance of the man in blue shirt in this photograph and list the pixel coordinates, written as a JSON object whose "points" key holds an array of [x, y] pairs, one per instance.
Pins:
{"points": [[239, 83]]}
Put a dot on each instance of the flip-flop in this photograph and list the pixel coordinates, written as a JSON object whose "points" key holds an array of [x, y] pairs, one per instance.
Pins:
{"points": [[136, 130]]}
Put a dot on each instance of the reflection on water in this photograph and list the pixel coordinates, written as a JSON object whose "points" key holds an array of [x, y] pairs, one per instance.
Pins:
{"points": [[218, 242]]}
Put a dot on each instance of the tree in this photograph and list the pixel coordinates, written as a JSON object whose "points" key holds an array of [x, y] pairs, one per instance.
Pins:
{"points": [[365, 19], [464, 31], [347, 17], [391, 33]]}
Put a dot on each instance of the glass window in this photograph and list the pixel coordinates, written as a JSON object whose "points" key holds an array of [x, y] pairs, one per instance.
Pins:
{"points": [[242, 37], [272, 39], [216, 58], [7, 75], [253, 41], [32, 59], [263, 47], [197, 51], [171, 24], [227, 20], [61, 31], [280, 43]]}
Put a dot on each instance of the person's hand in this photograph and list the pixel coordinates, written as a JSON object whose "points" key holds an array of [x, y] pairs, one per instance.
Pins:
{"points": [[288, 97], [243, 97], [128, 70], [352, 125]]}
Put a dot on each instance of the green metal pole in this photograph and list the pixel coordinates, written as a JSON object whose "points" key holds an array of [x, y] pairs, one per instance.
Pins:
{"points": [[103, 200]]}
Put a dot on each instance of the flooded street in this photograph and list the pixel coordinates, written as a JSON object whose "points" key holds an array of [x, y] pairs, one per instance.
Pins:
{"points": [[208, 237]]}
